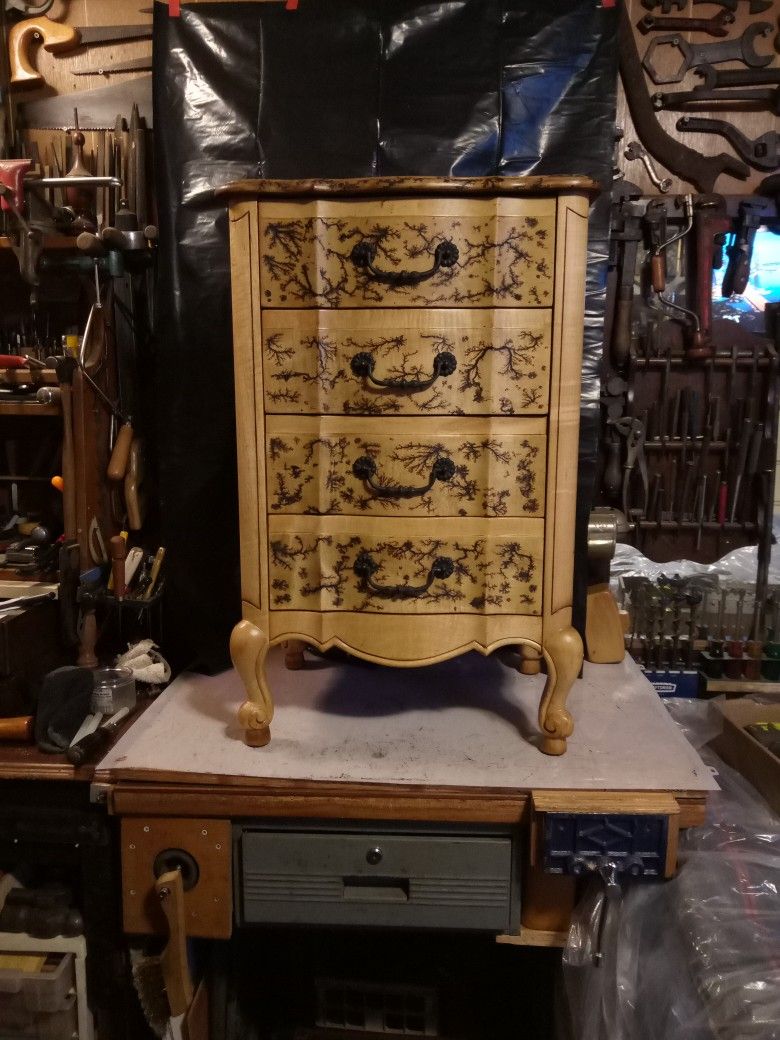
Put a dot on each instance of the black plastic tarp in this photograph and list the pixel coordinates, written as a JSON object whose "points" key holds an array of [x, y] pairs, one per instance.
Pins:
{"points": [[339, 88]]}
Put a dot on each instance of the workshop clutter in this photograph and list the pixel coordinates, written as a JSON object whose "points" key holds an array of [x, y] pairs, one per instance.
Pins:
{"points": [[696, 957]]}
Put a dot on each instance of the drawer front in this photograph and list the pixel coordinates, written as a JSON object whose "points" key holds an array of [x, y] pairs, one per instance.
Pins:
{"points": [[405, 467], [409, 567], [408, 253], [407, 362], [376, 879]]}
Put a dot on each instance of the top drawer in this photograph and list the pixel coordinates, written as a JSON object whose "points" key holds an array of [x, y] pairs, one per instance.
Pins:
{"points": [[408, 253]]}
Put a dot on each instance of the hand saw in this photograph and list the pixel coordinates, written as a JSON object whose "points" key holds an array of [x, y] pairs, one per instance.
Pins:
{"points": [[97, 108], [57, 37]]}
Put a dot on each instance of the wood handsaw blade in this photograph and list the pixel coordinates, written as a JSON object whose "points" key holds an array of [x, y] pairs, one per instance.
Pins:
{"points": [[97, 108]]}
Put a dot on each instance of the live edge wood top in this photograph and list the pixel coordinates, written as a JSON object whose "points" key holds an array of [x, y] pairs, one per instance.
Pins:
{"points": [[368, 187]]}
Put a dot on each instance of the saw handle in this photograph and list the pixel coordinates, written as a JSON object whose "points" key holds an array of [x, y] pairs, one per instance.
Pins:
{"points": [[55, 37]]}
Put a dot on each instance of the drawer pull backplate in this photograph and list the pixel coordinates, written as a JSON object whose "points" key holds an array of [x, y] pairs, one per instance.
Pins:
{"points": [[364, 468], [366, 566], [444, 364], [363, 254]]}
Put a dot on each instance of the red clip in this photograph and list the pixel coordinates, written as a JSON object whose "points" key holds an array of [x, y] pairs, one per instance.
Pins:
{"points": [[174, 8], [291, 5], [609, 3]]}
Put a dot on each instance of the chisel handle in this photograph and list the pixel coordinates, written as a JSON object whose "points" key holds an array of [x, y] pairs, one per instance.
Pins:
{"points": [[658, 271], [12, 361], [19, 727]]}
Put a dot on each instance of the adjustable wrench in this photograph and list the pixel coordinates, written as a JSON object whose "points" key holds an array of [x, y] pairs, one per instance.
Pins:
{"points": [[694, 54], [763, 153], [714, 26]]}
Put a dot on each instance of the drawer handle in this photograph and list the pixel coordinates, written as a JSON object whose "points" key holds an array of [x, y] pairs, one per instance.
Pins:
{"points": [[364, 469], [363, 254], [366, 566], [444, 364]]}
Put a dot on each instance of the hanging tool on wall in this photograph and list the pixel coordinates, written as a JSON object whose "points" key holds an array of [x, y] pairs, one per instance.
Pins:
{"points": [[711, 225], [130, 65], [627, 234], [57, 37], [702, 171], [740, 252], [763, 153], [97, 108], [741, 48]]}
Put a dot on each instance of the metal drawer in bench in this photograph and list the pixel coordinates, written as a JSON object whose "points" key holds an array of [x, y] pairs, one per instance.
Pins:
{"points": [[423, 878]]}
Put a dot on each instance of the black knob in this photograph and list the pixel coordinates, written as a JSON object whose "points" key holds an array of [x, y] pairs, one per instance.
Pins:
{"points": [[444, 364], [374, 856]]}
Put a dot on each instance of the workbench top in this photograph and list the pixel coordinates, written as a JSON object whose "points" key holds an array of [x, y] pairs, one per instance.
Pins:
{"points": [[468, 723]]}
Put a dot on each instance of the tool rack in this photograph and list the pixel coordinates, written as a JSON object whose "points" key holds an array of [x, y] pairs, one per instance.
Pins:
{"points": [[688, 447]]}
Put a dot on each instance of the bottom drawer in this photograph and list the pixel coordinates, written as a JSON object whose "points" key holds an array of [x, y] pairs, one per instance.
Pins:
{"points": [[406, 566], [377, 880]]}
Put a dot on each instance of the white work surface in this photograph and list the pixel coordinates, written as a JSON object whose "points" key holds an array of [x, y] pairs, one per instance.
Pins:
{"points": [[468, 722]]}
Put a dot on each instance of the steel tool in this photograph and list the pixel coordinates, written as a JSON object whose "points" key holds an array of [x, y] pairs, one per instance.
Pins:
{"points": [[716, 78], [97, 108], [634, 431], [756, 6], [768, 96], [763, 153], [714, 26], [702, 171], [740, 48], [740, 252], [634, 150], [57, 37], [131, 65]]}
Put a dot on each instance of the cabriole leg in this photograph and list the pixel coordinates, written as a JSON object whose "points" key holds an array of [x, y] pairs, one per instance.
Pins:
{"points": [[248, 649], [563, 654]]}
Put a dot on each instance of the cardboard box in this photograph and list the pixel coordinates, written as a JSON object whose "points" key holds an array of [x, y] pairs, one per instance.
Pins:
{"points": [[743, 753]]}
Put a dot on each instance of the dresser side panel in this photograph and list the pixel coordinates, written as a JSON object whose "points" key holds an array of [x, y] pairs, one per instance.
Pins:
{"points": [[564, 421], [244, 274]]}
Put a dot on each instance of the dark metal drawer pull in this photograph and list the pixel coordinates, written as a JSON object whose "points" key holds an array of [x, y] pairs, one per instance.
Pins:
{"points": [[363, 254], [365, 567], [364, 468], [444, 364]]}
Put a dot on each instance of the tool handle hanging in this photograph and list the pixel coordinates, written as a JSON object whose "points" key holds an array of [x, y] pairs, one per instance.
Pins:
{"points": [[55, 37], [117, 464]]}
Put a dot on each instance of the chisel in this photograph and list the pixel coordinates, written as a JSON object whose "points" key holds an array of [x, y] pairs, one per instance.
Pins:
{"points": [[87, 746]]}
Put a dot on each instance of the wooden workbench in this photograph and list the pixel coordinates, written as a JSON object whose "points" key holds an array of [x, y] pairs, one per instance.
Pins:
{"points": [[454, 741], [450, 744]]}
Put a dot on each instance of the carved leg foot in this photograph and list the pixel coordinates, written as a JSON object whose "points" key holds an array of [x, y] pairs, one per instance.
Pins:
{"points": [[293, 654], [248, 648], [530, 660], [563, 654]]}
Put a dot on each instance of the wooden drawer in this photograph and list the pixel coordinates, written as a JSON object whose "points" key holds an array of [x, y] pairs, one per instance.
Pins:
{"points": [[414, 566], [407, 362], [408, 253], [406, 467]]}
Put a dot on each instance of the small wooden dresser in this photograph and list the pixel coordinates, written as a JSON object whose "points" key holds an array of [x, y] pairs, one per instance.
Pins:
{"points": [[407, 368]]}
